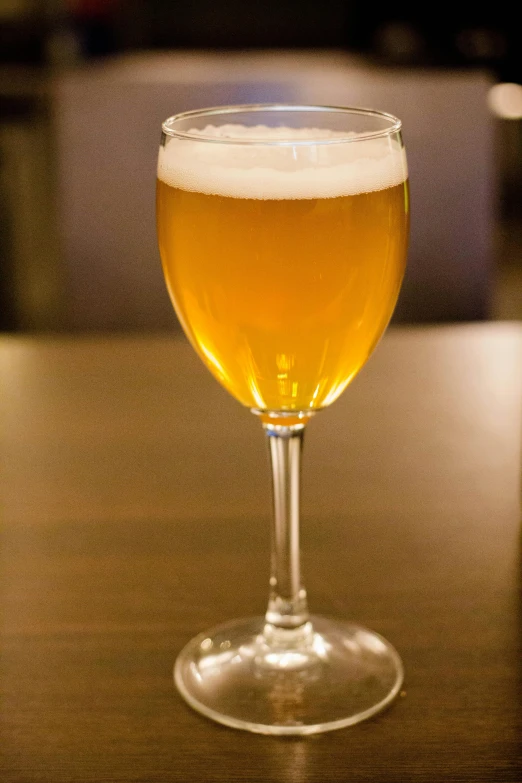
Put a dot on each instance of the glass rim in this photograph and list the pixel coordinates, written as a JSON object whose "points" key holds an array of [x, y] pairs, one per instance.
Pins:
{"points": [[168, 130]]}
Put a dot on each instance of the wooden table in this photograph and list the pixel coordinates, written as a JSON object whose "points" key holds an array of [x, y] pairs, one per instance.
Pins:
{"points": [[136, 511]]}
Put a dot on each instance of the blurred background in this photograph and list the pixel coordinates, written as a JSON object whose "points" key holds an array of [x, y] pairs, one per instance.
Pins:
{"points": [[85, 84]]}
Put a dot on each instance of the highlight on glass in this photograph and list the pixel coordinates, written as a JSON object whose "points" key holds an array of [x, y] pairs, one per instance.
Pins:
{"points": [[283, 233]]}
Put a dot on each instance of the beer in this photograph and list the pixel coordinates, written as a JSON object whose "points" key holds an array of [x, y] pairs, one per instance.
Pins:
{"points": [[283, 276]]}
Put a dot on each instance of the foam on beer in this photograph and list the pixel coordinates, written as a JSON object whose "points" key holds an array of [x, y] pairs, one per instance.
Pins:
{"points": [[300, 171]]}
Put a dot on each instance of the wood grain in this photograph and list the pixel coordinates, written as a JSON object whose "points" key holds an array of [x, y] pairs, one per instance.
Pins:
{"points": [[135, 505]]}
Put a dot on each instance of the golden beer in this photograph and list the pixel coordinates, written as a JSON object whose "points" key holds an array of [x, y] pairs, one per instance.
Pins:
{"points": [[283, 297]]}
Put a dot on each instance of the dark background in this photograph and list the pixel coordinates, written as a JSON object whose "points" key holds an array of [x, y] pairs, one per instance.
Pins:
{"points": [[445, 36]]}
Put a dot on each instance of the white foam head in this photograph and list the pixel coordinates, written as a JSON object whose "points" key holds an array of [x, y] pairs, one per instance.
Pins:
{"points": [[346, 166]]}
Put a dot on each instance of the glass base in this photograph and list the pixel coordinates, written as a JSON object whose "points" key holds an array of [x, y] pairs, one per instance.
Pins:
{"points": [[325, 675]]}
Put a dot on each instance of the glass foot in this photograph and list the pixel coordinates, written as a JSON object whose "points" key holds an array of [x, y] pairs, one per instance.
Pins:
{"points": [[325, 675]]}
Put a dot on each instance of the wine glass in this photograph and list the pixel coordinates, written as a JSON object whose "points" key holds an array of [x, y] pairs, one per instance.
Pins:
{"points": [[283, 235]]}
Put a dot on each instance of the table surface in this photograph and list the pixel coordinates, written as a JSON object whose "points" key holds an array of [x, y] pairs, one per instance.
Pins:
{"points": [[136, 506]]}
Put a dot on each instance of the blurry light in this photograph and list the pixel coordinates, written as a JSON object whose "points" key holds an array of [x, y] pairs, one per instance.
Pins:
{"points": [[505, 100], [481, 43], [399, 41]]}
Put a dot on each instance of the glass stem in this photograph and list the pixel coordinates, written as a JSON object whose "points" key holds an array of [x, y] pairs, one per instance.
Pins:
{"points": [[287, 606]]}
